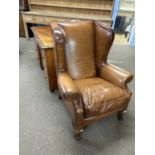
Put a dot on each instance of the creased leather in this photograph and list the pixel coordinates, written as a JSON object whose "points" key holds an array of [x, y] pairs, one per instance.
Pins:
{"points": [[115, 75], [82, 49], [100, 96], [71, 94], [67, 86]]}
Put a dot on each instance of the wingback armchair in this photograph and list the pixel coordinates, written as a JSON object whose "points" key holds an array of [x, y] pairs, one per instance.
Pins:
{"points": [[91, 88]]}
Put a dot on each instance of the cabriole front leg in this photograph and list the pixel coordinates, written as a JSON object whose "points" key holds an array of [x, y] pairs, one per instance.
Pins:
{"points": [[79, 120]]}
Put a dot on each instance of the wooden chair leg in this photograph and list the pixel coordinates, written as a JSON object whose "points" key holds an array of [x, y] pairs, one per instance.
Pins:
{"points": [[77, 134], [78, 131]]}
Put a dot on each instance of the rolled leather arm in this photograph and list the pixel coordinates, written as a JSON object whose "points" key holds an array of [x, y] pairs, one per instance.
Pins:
{"points": [[115, 75], [67, 86], [70, 92]]}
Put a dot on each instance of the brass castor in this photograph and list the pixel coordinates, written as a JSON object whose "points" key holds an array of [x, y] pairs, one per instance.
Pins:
{"points": [[120, 115], [78, 133]]}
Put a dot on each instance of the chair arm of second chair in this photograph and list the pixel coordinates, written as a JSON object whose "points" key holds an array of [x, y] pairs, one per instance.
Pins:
{"points": [[115, 75]]}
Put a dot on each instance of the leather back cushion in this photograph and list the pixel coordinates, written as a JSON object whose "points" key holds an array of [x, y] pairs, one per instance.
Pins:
{"points": [[79, 49]]}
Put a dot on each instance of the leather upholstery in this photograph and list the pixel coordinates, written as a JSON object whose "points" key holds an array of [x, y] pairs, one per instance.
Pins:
{"points": [[59, 54], [91, 88], [104, 37], [67, 86], [115, 75], [79, 49], [100, 96]]}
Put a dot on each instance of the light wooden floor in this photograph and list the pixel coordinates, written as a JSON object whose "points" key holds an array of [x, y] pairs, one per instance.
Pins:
{"points": [[120, 38]]}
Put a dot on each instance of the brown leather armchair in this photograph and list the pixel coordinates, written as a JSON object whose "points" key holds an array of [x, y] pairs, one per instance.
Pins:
{"points": [[91, 88]]}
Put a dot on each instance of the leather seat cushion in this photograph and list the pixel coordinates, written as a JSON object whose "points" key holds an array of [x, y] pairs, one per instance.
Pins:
{"points": [[100, 96]]}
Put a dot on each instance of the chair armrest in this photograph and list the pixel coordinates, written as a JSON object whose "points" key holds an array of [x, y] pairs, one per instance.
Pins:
{"points": [[67, 86], [70, 92], [115, 75]]}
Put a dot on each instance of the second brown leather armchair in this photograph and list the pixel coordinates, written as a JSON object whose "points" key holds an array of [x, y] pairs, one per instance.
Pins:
{"points": [[91, 88]]}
